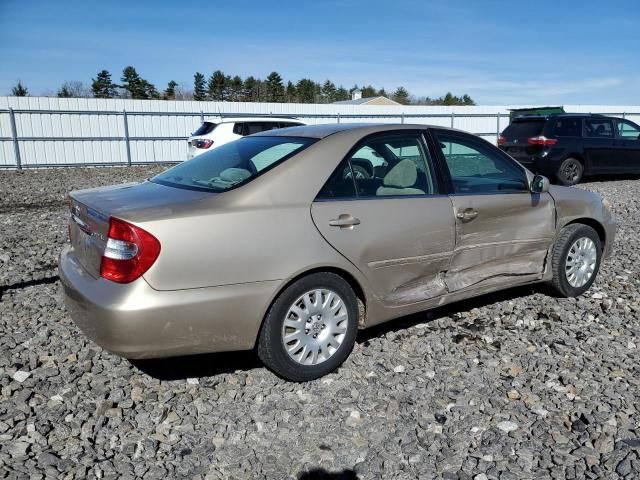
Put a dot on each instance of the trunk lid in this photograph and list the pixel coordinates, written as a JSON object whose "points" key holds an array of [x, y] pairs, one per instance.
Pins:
{"points": [[516, 137], [134, 202]]}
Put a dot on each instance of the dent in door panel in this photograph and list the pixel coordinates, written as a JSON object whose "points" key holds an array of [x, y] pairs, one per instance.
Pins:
{"points": [[473, 265]]}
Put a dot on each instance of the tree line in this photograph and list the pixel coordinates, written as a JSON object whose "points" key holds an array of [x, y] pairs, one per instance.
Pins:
{"points": [[221, 87]]}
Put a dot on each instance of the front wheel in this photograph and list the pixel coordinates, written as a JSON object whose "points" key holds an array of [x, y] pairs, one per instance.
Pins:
{"points": [[576, 259], [570, 172], [311, 328]]}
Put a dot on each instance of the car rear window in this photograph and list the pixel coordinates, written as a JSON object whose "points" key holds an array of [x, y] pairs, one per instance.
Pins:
{"points": [[524, 129], [232, 164], [205, 128]]}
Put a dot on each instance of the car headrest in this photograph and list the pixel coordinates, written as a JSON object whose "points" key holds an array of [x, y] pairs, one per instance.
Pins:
{"points": [[404, 174]]}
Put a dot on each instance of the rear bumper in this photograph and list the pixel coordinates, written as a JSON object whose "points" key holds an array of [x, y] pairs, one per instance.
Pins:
{"points": [[136, 321]]}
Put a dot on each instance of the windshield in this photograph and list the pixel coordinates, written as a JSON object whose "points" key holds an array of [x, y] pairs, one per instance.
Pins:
{"points": [[524, 129], [233, 163]]}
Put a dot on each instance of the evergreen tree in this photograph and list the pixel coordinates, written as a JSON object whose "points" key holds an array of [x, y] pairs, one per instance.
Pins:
{"points": [[170, 91], [274, 90], [306, 90], [199, 89], [329, 91], [64, 92], [217, 86], [291, 93], [136, 86], [382, 93], [449, 99], [467, 100], [342, 94], [102, 86], [20, 90], [401, 95], [235, 89], [369, 91], [250, 90]]}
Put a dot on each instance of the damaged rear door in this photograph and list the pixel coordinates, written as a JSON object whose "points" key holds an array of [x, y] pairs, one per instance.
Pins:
{"points": [[382, 209], [502, 229]]}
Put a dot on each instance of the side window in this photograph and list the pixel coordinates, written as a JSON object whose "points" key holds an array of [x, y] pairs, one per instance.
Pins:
{"points": [[384, 166], [238, 128], [598, 128], [253, 127], [478, 168], [340, 185], [628, 130], [567, 127], [393, 165]]}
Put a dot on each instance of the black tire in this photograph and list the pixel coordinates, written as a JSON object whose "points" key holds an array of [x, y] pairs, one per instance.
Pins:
{"points": [[271, 349], [567, 237], [570, 172]]}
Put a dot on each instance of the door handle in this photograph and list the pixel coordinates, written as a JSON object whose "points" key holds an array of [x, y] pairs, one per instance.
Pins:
{"points": [[467, 215], [344, 220]]}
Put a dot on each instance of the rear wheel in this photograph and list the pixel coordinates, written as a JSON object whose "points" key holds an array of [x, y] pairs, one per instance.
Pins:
{"points": [[576, 259], [570, 172], [310, 328]]}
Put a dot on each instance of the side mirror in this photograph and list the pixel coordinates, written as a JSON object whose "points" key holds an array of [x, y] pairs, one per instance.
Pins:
{"points": [[540, 184]]}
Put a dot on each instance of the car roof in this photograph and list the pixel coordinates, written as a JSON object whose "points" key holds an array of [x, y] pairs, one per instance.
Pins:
{"points": [[522, 118], [215, 119], [326, 129]]}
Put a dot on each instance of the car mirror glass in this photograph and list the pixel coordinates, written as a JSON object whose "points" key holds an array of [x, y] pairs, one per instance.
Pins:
{"points": [[540, 184]]}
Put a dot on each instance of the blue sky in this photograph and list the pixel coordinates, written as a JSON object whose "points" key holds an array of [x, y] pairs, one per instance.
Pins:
{"points": [[497, 51]]}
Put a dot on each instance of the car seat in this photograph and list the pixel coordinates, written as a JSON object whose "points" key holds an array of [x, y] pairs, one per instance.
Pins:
{"points": [[400, 180]]}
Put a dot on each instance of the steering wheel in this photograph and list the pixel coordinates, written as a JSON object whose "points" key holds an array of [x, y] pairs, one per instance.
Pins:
{"points": [[360, 173]]}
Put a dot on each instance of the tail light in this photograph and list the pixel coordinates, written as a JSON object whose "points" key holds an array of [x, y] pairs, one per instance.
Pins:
{"points": [[542, 141], [129, 253], [202, 143], [501, 140]]}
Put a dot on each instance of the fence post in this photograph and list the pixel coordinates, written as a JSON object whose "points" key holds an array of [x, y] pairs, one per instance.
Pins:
{"points": [[402, 117], [338, 117], [497, 127], [453, 119], [126, 136], [201, 116], [14, 137], [624, 115]]}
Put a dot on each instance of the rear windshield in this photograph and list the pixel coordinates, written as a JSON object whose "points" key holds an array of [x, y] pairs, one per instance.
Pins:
{"points": [[524, 129], [233, 163], [206, 127]]}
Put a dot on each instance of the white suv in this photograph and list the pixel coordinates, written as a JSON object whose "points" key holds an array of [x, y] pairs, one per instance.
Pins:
{"points": [[213, 134]]}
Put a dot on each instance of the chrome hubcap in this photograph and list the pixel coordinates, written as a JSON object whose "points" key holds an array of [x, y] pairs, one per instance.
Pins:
{"points": [[581, 262], [315, 326]]}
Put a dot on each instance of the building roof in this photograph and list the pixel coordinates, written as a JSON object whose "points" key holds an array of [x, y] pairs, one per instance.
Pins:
{"points": [[379, 100]]}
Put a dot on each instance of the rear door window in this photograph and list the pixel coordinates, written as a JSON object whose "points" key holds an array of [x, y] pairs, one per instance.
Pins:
{"points": [[567, 127], [598, 128]]}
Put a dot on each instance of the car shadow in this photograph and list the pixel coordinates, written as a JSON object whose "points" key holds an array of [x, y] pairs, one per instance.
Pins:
{"points": [[212, 364], [451, 309], [198, 366], [322, 474]]}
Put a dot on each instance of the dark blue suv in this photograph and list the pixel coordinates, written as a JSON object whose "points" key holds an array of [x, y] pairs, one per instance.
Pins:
{"points": [[565, 147]]}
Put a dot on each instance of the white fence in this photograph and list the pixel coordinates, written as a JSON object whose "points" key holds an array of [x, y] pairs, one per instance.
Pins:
{"points": [[43, 131]]}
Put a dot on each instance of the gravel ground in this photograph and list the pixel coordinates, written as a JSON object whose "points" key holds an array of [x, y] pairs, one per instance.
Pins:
{"points": [[508, 386]]}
